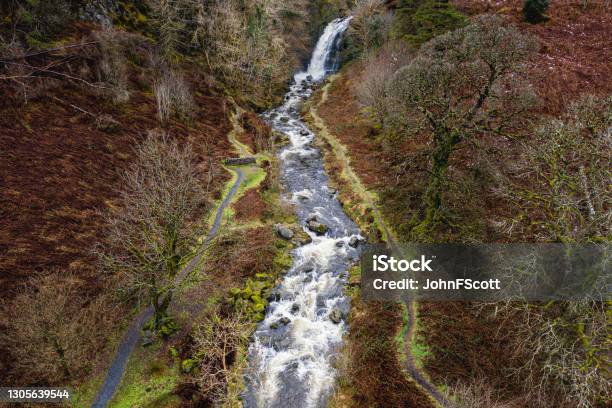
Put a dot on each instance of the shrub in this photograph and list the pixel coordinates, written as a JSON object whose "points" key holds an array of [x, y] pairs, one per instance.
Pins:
{"points": [[173, 96], [217, 342], [54, 330], [113, 71], [533, 10]]}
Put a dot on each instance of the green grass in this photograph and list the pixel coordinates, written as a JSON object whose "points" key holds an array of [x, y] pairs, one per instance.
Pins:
{"points": [[84, 395], [400, 338], [418, 349], [148, 381]]}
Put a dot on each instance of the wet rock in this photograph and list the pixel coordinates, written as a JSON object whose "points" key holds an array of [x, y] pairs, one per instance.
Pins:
{"points": [[336, 315], [295, 308], [308, 279], [274, 325], [305, 268], [274, 297], [304, 132], [309, 78], [353, 242], [340, 244], [317, 227], [107, 123], [302, 238], [284, 320], [283, 232], [331, 191], [284, 119]]}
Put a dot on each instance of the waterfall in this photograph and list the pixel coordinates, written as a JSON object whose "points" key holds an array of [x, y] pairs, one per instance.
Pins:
{"points": [[290, 358], [323, 59]]}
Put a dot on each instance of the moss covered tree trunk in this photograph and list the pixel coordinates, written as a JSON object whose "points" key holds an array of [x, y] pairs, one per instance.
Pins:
{"points": [[444, 143]]}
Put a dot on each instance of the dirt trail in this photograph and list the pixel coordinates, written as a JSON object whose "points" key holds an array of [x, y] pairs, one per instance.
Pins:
{"points": [[341, 153], [117, 368]]}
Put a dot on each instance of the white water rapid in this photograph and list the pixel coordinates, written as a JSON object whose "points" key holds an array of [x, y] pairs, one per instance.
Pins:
{"points": [[290, 358]]}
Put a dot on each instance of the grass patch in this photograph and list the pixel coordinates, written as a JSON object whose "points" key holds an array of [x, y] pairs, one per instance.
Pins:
{"points": [[400, 338], [149, 380]]}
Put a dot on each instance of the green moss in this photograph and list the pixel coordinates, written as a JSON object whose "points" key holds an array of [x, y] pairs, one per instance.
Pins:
{"points": [[188, 365], [420, 20]]}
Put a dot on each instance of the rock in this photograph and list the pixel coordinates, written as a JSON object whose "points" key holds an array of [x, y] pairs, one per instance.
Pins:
{"points": [[284, 320], [305, 268], [107, 123], [302, 238], [274, 297], [283, 232], [308, 279], [311, 217], [304, 83], [353, 242], [284, 119], [317, 227], [340, 244], [304, 132], [336, 315], [295, 308], [331, 191], [148, 338], [309, 78], [274, 325]]}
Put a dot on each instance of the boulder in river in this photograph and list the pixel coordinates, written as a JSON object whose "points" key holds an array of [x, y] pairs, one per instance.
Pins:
{"points": [[336, 315], [309, 78], [301, 238], [305, 268], [353, 242], [284, 119], [317, 227], [304, 132], [283, 232], [284, 320], [274, 297]]}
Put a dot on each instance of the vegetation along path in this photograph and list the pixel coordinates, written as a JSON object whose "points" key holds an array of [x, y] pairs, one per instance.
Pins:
{"points": [[117, 368], [341, 153]]}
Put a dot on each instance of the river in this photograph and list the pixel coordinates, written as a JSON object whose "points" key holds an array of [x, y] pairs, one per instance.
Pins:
{"points": [[291, 356]]}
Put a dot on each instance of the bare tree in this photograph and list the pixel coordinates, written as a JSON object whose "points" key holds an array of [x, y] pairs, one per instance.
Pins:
{"points": [[373, 89], [112, 65], [563, 349], [568, 159], [54, 330], [370, 24], [217, 342], [172, 95], [242, 45], [461, 85], [153, 230], [476, 394]]}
